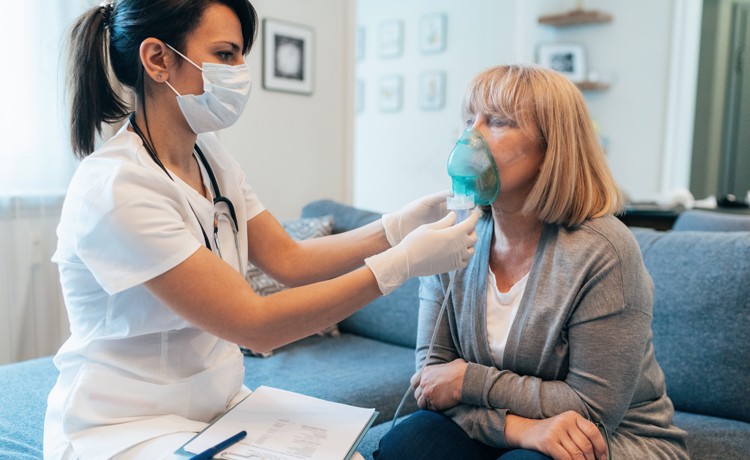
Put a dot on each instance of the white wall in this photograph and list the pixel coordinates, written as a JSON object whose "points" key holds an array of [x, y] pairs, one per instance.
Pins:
{"points": [[399, 156], [635, 51], [296, 148]]}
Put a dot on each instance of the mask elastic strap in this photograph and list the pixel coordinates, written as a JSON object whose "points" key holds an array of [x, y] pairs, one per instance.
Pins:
{"points": [[172, 88], [185, 58]]}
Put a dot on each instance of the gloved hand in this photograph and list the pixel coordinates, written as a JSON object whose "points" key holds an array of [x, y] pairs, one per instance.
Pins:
{"points": [[438, 247], [422, 211]]}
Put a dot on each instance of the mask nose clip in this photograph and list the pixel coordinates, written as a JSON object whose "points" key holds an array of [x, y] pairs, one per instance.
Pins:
{"points": [[472, 170]]}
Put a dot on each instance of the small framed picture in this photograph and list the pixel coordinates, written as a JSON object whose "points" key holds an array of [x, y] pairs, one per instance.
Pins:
{"points": [[432, 33], [391, 39], [432, 90], [359, 43], [359, 96], [391, 93], [287, 57], [567, 58]]}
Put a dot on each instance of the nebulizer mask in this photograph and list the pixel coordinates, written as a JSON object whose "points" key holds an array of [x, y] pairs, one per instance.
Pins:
{"points": [[476, 182], [473, 173]]}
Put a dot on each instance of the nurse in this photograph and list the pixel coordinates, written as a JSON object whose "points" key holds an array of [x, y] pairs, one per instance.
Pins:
{"points": [[158, 226]]}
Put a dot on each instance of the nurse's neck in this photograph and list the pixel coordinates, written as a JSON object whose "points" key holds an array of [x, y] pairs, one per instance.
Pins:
{"points": [[173, 141], [169, 134]]}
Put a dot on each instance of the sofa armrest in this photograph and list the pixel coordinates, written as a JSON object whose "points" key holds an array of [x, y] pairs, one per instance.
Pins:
{"points": [[716, 221]]}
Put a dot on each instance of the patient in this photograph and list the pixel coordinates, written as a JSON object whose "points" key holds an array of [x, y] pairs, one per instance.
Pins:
{"points": [[548, 330]]}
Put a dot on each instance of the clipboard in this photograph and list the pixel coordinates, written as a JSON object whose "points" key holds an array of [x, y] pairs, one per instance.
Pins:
{"points": [[285, 424]]}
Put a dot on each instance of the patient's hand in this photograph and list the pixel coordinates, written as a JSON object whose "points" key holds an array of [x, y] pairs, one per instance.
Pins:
{"points": [[564, 436], [439, 386]]}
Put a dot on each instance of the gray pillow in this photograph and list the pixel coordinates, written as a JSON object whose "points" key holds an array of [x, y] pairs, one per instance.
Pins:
{"points": [[298, 229]]}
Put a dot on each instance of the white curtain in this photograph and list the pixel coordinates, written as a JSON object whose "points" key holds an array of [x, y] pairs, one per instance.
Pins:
{"points": [[34, 150], [33, 321]]}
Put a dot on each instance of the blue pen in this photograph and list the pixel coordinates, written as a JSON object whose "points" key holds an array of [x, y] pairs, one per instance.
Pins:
{"points": [[211, 451]]}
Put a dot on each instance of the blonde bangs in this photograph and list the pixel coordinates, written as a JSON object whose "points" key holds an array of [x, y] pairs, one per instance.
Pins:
{"points": [[503, 91]]}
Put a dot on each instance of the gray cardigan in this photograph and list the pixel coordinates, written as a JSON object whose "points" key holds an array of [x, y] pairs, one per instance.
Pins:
{"points": [[581, 341]]}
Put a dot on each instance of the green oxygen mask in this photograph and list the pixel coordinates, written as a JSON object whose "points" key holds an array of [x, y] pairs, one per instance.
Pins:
{"points": [[473, 173]]}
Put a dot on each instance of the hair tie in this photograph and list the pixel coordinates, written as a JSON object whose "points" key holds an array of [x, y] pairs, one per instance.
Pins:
{"points": [[106, 8]]}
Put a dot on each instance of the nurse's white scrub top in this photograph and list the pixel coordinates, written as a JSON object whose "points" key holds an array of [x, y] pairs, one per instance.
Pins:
{"points": [[132, 369]]}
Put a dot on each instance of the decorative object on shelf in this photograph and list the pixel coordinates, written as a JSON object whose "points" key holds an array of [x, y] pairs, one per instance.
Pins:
{"points": [[567, 58], [391, 93], [432, 90], [359, 43], [592, 85], [432, 33], [287, 57], [575, 17], [391, 39]]}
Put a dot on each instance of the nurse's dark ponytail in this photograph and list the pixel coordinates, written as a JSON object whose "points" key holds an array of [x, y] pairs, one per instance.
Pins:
{"points": [[105, 56], [94, 99]]}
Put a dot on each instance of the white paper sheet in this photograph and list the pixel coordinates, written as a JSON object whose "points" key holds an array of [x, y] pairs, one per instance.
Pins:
{"points": [[283, 425]]}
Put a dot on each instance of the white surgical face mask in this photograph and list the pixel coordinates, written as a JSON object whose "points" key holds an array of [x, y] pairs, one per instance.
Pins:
{"points": [[225, 92]]}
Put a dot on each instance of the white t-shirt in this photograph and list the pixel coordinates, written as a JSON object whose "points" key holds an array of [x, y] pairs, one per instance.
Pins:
{"points": [[501, 311], [132, 369]]}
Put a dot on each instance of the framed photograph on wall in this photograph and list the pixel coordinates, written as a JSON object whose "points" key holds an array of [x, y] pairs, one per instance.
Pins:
{"points": [[391, 93], [567, 58], [391, 39], [432, 33], [432, 90], [359, 43], [359, 96], [287, 57]]}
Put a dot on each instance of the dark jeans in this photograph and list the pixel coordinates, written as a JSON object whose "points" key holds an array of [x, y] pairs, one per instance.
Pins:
{"points": [[427, 435]]}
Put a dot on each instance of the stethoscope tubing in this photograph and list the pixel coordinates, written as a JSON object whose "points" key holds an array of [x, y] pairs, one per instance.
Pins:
{"points": [[218, 197]]}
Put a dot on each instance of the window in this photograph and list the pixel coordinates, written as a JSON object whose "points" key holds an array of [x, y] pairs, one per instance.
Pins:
{"points": [[35, 153]]}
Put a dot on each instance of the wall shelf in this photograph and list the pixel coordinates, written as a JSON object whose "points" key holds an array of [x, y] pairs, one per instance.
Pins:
{"points": [[592, 86], [575, 17]]}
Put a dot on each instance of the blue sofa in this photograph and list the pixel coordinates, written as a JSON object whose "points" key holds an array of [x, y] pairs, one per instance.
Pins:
{"points": [[701, 334]]}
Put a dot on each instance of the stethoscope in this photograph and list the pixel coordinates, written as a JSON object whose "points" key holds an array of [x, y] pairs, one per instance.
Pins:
{"points": [[230, 216]]}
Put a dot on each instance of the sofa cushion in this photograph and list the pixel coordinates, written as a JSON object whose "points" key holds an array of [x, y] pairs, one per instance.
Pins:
{"points": [[713, 437], [348, 369], [701, 320], [391, 319], [23, 403]]}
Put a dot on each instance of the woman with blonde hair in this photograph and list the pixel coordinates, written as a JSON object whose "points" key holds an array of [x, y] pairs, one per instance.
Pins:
{"points": [[545, 347]]}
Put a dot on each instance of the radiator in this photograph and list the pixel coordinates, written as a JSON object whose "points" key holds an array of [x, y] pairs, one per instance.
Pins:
{"points": [[33, 321]]}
